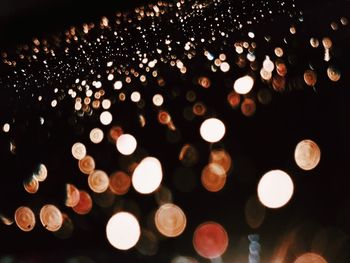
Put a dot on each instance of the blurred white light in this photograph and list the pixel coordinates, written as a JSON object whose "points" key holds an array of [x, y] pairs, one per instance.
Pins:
{"points": [[275, 189], [224, 67], [126, 144], [123, 231], [243, 85], [212, 130], [135, 96], [158, 100], [118, 85], [106, 118], [6, 127], [78, 150], [96, 135], [147, 175]]}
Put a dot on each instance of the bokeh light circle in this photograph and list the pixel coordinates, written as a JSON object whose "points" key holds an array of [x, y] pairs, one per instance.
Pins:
{"points": [[78, 150], [212, 130], [147, 175], [243, 85], [170, 220], [210, 240], [25, 218], [307, 154], [98, 181], [51, 217], [123, 231], [126, 144], [275, 189]]}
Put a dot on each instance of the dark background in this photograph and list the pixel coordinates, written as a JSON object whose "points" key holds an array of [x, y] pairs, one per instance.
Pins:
{"points": [[320, 207]]}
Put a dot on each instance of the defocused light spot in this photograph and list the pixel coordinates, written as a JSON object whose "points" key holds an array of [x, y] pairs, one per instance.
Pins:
{"points": [[119, 183], [106, 104], [114, 133], [25, 218], [135, 96], [254, 212], [31, 185], [224, 67], [148, 243], [147, 175], [126, 144], [72, 195], [7, 221], [275, 189], [210, 240], [6, 127], [248, 107], [327, 43], [307, 154], [41, 173], [310, 77], [163, 195], [213, 177], [87, 164], [106, 118], [268, 64], [314, 42], [310, 258], [96, 135], [123, 231], [84, 205], [212, 130], [234, 99], [78, 151], [170, 220], [98, 181], [118, 85], [222, 158], [243, 85], [51, 217], [158, 100], [188, 155], [333, 74]]}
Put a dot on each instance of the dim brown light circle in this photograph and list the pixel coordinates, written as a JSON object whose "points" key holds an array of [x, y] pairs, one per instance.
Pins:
{"points": [[213, 177], [119, 183], [85, 204], [188, 155], [72, 195], [170, 220], [25, 218], [51, 218], [98, 181], [248, 107], [114, 133], [87, 164], [310, 77]]}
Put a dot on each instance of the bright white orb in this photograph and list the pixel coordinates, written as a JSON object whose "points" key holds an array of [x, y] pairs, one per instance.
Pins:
{"points": [[106, 118], [126, 144], [123, 231], [212, 130], [244, 85], [147, 175], [275, 189]]}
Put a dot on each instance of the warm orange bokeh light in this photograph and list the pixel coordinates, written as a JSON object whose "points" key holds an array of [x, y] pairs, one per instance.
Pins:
{"points": [[210, 240], [25, 218], [213, 177], [51, 218], [170, 220], [84, 205], [98, 181], [119, 183], [87, 164], [310, 258], [72, 195]]}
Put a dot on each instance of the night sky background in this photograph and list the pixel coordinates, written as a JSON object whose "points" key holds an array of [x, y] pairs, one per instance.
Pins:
{"points": [[316, 219]]}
